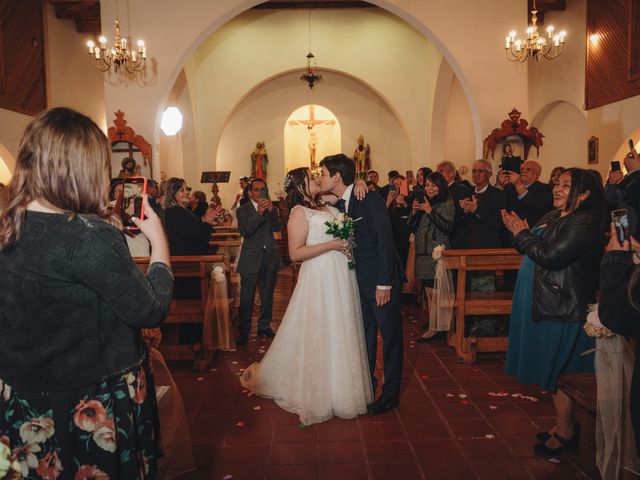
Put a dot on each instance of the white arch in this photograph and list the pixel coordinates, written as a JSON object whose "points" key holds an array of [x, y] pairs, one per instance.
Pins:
{"points": [[400, 12]]}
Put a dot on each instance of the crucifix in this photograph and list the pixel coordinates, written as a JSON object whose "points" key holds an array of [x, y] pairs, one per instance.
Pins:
{"points": [[311, 122]]}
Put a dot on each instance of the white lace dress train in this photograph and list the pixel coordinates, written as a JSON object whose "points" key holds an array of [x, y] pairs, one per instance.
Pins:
{"points": [[317, 365]]}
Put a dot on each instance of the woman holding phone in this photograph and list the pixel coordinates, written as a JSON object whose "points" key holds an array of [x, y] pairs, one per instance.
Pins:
{"points": [[431, 221], [76, 398]]}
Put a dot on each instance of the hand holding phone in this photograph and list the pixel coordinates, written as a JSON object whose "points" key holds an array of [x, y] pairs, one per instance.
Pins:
{"points": [[621, 223], [615, 166], [264, 193], [132, 201]]}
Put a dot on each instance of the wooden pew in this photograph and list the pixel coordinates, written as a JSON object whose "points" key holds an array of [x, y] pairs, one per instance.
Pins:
{"points": [[479, 303], [230, 235], [190, 311], [581, 387]]}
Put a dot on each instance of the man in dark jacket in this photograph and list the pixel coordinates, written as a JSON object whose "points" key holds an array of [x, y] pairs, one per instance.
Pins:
{"points": [[624, 191], [526, 196], [459, 191], [482, 225]]}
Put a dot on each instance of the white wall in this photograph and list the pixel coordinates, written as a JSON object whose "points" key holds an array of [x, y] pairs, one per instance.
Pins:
{"points": [[372, 45], [71, 80], [262, 115]]}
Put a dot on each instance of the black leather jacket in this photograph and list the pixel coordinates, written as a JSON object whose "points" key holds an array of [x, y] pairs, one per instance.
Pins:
{"points": [[567, 255]]}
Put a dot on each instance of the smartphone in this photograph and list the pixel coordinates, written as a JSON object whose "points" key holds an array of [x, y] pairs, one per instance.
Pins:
{"points": [[631, 146], [621, 222], [264, 193], [615, 166], [511, 164], [393, 188], [362, 175], [419, 195], [132, 206]]}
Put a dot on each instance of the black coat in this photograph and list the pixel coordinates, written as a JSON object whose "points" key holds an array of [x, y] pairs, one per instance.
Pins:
{"points": [[534, 205], [458, 191], [567, 255], [617, 314], [187, 234], [483, 228], [626, 194]]}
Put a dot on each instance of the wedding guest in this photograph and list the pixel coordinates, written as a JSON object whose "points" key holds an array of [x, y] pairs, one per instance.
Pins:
{"points": [[384, 191], [399, 211], [155, 198], [372, 176], [431, 220], [77, 399], [555, 174], [527, 197], [556, 283], [502, 178], [188, 234], [598, 176], [259, 260], [458, 191], [198, 203], [619, 307], [623, 191]]}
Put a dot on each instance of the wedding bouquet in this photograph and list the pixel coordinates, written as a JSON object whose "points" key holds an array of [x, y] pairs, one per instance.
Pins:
{"points": [[342, 227]]}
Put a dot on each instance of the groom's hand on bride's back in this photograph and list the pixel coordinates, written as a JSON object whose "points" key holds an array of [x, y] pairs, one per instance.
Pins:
{"points": [[383, 296]]}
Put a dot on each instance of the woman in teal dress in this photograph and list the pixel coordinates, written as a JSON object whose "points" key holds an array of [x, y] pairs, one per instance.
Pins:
{"points": [[556, 283]]}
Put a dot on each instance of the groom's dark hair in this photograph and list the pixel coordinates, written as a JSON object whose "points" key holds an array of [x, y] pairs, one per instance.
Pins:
{"points": [[341, 164]]}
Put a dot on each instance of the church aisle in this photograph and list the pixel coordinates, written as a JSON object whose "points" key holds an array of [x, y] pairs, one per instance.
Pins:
{"points": [[455, 421]]}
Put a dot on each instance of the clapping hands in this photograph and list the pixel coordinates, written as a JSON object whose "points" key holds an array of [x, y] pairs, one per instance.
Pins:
{"points": [[513, 222]]}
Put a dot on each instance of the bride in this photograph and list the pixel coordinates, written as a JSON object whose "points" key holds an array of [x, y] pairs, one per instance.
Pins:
{"points": [[317, 364]]}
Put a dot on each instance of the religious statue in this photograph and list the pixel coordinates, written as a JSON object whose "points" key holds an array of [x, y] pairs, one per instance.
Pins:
{"points": [[313, 145], [129, 168], [259, 161], [362, 156], [223, 217]]}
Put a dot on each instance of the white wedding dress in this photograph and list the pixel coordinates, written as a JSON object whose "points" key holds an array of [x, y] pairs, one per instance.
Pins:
{"points": [[317, 365]]}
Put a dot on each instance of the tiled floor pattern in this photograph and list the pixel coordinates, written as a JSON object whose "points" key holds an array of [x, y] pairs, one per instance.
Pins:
{"points": [[450, 424]]}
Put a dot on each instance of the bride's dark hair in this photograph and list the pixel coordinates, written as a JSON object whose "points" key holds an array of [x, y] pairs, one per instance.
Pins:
{"points": [[297, 190]]}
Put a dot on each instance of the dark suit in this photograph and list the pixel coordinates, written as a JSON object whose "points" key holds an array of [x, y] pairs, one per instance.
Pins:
{"points": [[483, 228], [534, 205], [377, 263], [458, 191], [260, 261]]}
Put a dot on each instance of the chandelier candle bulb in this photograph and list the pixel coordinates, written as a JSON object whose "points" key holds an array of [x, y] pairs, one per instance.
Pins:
{"points": [[103, 42], [133, 55], [507, 42]]}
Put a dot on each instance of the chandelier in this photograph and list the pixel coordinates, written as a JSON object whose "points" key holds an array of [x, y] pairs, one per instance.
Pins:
{"points": [[119, 56], [310, 75], [534, 45]]}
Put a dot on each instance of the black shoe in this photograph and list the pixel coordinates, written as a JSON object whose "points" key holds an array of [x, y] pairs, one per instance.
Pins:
{"points": [[266, 333], [242, 339], [543, 436], [566, 445], [382, 406], [436, 336]]}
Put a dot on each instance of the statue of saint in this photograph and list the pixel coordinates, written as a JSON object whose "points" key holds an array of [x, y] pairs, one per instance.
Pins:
{"points": [[129, 168], [362, 156], [259, 161], [313, 146]]}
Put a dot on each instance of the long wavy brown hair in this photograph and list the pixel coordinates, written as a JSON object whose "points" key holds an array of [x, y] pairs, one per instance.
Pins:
{"points": [[295, 186], [63, 159]]}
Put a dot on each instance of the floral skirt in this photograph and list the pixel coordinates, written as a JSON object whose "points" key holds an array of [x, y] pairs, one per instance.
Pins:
{"points": [[105, 431]]}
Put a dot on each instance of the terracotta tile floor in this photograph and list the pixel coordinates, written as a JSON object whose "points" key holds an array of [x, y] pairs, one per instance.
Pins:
{"points": [[446, 427]]}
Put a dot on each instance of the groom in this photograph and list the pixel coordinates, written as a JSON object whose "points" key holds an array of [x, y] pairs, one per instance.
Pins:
{"points": [[378, 271]]}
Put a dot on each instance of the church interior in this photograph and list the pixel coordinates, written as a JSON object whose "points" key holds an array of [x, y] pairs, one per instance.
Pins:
{"points": [[416, 82]]}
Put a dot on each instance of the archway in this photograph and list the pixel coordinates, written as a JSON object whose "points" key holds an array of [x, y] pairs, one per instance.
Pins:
{"points": [[310, 133]]}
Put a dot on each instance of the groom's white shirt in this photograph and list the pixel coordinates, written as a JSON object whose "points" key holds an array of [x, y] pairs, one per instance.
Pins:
{"points": [[346, 196]]}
